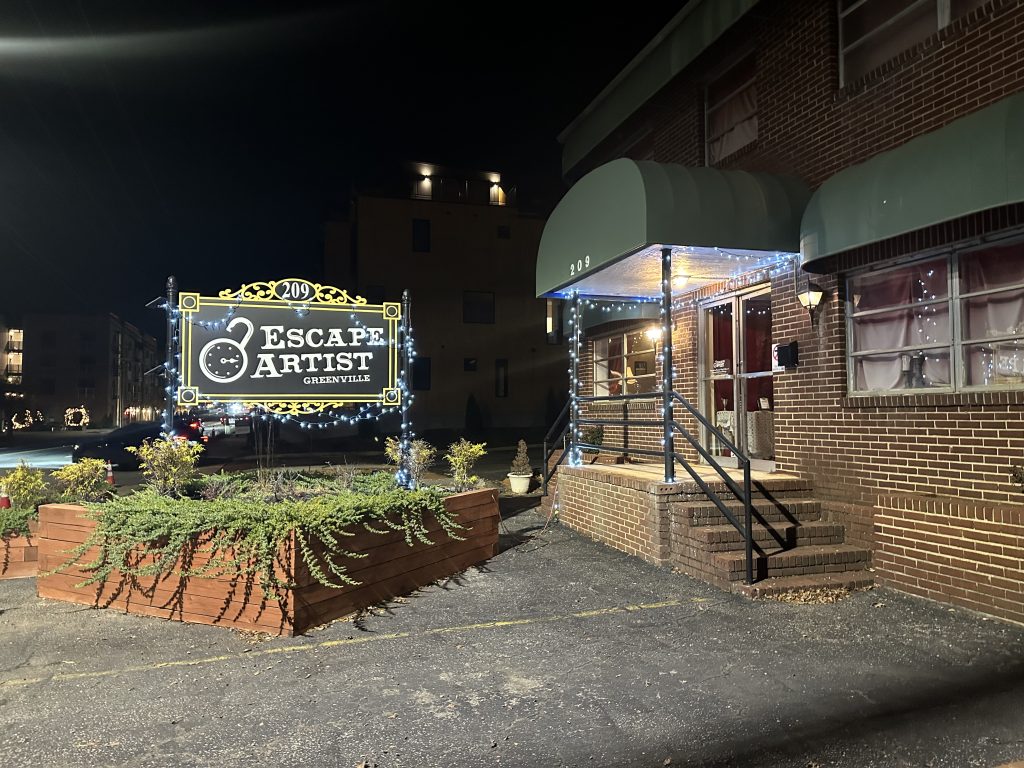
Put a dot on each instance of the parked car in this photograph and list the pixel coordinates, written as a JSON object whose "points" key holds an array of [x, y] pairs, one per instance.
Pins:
{"points": [[113, 446]]}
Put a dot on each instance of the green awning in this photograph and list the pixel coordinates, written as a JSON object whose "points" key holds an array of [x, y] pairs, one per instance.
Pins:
{"points": [[721, 221], [970, 165]]}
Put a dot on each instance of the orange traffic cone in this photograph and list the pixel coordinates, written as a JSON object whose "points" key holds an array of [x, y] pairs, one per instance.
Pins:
{"points": [[110, 473], [5, 500]]}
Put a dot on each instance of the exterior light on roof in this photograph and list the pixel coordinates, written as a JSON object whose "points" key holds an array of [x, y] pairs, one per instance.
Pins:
{"points": [[680, 281], [653, 333]]}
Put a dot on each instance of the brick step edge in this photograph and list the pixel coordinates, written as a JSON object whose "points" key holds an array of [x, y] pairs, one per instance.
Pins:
{"points": [[778, 585], [709, 536], [705, 513], [832, 558]]}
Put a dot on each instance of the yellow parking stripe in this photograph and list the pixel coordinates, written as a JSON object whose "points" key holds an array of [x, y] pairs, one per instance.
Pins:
{"points": [[305, 648]]}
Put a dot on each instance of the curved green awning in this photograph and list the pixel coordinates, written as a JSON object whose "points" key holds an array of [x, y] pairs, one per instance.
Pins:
{"points": [[626, 206], [970, 165]]}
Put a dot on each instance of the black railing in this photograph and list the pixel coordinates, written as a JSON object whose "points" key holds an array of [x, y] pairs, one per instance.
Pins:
{"points": [[548, 469], [742, 492]]}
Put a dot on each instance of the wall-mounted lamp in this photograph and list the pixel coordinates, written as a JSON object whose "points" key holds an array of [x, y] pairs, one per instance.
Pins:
{"points": [[653, 334], [810, 298]]}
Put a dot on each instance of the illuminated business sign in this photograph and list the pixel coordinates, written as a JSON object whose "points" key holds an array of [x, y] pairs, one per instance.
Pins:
{"points": [[290, 346]]}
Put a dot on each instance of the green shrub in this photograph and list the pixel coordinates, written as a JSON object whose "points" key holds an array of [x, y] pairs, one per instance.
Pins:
{"points": [[462, 455], [25, 486], [168, 465], [592, 435], [84, 481], [421, 456], [244, 538], [14, 521]]}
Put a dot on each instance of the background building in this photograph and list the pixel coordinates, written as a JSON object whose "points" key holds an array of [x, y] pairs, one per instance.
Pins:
{"points": [[93, 360], [485, 360]]}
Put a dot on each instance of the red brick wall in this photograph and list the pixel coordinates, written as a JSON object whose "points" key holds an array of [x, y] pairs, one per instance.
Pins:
{"points": [[625, 513], [959, 552], [807, 124]]}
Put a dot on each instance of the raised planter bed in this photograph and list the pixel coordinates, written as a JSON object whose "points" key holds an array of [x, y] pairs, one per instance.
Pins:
{"points": [[391, 568], [19, 555]]}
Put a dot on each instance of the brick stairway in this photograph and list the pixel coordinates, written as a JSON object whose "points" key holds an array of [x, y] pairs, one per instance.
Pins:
{"points": [[793, 547]]}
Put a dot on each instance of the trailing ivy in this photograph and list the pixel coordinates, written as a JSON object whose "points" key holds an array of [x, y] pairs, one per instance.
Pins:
{"points": [[14, 521], [242, 536]]}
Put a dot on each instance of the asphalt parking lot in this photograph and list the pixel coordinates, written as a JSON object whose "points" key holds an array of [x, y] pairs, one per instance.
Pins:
{"points": [[558, 652]]}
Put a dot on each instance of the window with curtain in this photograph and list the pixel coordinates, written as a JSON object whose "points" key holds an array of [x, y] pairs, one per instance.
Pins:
{"points": [[949, 323], [731, 111], [624, 364]]}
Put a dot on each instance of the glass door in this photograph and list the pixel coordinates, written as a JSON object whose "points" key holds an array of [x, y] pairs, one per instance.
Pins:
{"points": [[736, 370]]}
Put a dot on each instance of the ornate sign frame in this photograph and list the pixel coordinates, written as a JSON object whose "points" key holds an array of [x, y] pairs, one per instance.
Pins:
{"points": [[204, 381]]}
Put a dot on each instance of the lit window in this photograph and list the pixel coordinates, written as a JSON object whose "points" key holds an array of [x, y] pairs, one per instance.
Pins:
{"points": [[624, 363], [501, 377], [731, 111], [953, 322], [555, 320], [871, 32]]}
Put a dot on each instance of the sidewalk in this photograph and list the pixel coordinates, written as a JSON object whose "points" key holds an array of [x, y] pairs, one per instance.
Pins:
{"points": [[558, 652]]}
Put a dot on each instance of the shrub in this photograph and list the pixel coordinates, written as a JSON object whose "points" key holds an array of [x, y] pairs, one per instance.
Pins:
{"points": [[25, 486], [421, 456], [593, 435], [168, 465], [84, 481], [521, 463], [462, 456]]}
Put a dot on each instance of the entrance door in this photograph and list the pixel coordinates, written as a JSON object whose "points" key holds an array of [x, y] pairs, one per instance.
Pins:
{"points": [[736, 371]]}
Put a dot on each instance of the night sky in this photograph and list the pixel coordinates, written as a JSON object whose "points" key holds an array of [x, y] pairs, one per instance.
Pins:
{"points": [[212, 140]]}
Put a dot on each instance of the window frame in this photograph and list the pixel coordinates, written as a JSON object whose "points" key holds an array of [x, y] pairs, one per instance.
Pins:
{"points": [[734, 63], [943, 17], [622, 334], [953, 301]]}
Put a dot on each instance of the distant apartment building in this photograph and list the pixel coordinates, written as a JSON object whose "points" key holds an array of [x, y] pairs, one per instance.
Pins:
{"points": [[11, 394], [93, 360], [484, 355]]}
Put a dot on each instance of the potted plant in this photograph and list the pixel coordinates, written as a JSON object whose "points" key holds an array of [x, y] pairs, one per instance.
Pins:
{"points": [[521, 472]]}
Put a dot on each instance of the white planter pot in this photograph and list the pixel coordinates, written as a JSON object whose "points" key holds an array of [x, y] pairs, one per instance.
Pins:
{"points": [[520, 483]]}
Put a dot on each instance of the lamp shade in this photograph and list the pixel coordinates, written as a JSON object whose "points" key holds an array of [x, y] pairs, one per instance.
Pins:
{"points": [[810, 297]]}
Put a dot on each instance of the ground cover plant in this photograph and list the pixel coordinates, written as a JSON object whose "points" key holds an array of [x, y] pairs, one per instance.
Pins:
{"points": [[240, 522]]}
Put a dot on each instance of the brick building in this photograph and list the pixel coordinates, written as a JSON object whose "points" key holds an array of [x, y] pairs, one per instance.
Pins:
{"points": [[485, 360], [863, 158]]}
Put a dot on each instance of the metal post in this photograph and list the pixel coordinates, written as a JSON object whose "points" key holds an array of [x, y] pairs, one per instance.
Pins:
{"points": [[404, 446], [747, 515], [171, 366], [574, 372], [666, 361]]}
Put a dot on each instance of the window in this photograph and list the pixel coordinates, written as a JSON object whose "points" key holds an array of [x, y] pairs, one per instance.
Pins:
{"points": [[952, 322], [421, 373], [624, 364], [477, 307], [421, 235], [555, 320], [469, 364], [871, 32], [501, 377], [731, 111]]}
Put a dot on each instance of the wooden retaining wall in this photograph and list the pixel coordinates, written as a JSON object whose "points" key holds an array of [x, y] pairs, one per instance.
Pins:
{"points": [[391, 568], [19, 554]]}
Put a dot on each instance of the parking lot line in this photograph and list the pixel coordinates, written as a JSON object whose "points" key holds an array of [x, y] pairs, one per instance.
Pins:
{"points": [[307, 647]]}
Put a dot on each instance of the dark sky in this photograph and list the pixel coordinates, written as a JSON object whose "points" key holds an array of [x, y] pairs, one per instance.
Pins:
{"points": [[212, 140]]}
